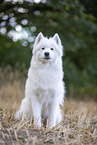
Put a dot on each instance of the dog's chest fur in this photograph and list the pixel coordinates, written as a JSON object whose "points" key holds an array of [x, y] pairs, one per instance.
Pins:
{"points": [[45, 78], [45, 96]]}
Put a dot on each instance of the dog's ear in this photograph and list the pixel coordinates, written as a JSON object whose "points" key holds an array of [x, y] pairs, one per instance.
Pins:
{"points": [[57, 39], [38, 38]]}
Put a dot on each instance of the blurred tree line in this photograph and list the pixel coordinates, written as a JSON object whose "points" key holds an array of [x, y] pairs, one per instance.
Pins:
{"points": [[76, 23]]}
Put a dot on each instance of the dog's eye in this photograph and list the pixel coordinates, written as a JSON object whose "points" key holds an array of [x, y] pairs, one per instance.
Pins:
{"points": [[52, 48], [42, 48]]}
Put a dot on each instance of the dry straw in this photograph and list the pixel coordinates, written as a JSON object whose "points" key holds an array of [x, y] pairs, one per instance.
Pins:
{"points": [[79, 125]]}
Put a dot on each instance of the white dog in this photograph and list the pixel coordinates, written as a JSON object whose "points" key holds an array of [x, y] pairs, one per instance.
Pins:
{"points": [[44, 89]]}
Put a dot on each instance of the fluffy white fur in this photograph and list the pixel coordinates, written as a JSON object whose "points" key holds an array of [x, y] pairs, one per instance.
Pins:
{"points": [[44, 89]]}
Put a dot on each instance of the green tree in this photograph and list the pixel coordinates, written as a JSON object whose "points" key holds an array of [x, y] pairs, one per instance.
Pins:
{"points": [[75, 21]]}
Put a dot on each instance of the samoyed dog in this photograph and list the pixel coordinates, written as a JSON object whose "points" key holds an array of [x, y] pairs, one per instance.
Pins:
{"points": [[44, 89]]}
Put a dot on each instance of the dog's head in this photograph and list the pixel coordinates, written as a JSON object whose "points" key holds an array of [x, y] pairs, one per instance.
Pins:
{"points": [[47, 50]]}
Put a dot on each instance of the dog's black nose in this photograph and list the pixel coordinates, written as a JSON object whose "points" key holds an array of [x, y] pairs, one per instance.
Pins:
{"points": [[46, 53]]}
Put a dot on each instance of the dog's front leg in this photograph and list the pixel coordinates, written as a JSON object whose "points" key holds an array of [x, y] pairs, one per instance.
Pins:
{"points": [[53, 108], [36, 109]]}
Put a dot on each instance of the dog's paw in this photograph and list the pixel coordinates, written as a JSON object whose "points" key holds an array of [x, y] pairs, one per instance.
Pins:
{"points": [[17, 115], [37, 124]]}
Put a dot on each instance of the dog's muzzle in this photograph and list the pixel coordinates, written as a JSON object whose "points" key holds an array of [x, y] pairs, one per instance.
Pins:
{"points": [[47, 55]]}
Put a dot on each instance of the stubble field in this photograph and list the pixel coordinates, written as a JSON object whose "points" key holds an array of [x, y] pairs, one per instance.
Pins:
{"points": [[78, 127]]}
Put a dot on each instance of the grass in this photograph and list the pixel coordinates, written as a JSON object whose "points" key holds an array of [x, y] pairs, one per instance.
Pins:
{"points": [[79, 125]]}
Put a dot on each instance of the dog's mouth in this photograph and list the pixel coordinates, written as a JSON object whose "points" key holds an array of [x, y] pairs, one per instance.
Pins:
{"points": [[46, 59]]}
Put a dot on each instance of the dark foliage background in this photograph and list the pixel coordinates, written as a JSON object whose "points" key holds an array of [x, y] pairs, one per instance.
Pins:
{"points": [[76, 23]]}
